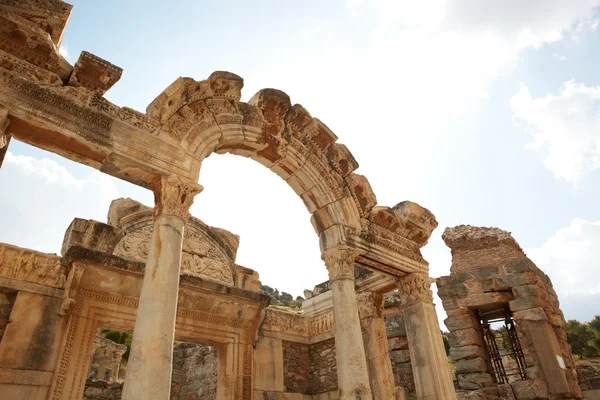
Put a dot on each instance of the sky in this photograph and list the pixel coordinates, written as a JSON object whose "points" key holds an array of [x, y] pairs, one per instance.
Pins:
{"points": [[486, 113]]}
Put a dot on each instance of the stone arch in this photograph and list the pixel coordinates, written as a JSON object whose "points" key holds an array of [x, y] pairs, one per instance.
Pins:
{"points": [[208, 117]]}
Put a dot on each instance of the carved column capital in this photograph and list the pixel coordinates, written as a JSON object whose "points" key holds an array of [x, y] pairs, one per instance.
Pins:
{"points": [[174, 196], [414, 288], [340, 262]]}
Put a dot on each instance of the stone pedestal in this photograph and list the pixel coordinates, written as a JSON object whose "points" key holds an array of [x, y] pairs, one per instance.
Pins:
{"points": [[353, 377], [381, 376], [428, 357], [150, 363]]}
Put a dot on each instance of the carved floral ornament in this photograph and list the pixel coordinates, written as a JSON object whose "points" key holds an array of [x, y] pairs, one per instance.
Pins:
{"points": [[340, 262], [173, 196], [415, 288]]}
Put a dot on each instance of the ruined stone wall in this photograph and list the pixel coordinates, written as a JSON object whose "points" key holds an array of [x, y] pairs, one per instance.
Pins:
{"points": [[7, 300], [398, 345], [483, 283], [194, 376], [323, 367], [194, 372], [296, 367]]}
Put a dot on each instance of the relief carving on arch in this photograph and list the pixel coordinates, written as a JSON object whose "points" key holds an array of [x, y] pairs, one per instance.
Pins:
{"points": [[201, 257]]}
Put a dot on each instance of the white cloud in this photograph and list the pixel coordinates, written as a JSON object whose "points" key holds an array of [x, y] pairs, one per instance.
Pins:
{"points": [[570, 259], [63, 50], [560, 57], [44, 197], [565, 126]]}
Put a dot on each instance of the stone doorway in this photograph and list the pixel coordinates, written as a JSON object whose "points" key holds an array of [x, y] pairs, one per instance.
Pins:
{"points": [[194, 376]]}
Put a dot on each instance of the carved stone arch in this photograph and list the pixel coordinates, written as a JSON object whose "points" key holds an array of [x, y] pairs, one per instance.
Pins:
{"points": [[208, 117]]}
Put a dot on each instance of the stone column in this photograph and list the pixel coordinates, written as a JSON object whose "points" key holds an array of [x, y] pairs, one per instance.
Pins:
{"points": [[353, 378], [427, 354], [150, 364], [381, 376]]}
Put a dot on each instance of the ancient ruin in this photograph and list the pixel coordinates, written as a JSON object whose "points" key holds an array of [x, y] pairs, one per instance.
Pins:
{"points": [[166, 276], [493, 282]]}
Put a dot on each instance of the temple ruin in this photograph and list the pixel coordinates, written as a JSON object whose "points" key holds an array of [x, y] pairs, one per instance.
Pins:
{"points": [[370, 332]]}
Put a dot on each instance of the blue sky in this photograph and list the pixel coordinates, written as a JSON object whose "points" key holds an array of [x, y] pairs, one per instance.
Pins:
{"points": [[487, 113]]}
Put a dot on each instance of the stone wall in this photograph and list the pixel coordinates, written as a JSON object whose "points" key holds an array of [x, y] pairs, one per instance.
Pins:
{"points": [[310, 369], [194, 372], [194, 376], [7, 300], [490, 273], [323, 368], [398, 345], [296, 367]]}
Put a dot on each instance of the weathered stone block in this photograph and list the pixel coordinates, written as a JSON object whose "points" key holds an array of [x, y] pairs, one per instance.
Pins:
{"points": [[474, 381], [471, 365], [400, 356], [505, 392], [94, 73], [508, 282], [526, 290], [466, 352], [394, 326], [533, 314], [457, 322], [518, 266], [481, 299], [525, 303], [455, 290], [398, 343], [464, 337], [530, 390], [485, 273]]}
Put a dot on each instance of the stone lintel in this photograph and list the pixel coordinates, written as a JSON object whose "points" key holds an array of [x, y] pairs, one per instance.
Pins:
{"points": [[94, 73]]}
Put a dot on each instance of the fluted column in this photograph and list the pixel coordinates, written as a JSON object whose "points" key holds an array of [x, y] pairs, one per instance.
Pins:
{"points": [[353, 378], [381, 376], [428, 357], [150, 363]]}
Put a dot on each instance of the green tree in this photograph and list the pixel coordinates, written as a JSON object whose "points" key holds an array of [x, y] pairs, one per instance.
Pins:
{"points": [[446, 343], [595, 323], [580, 337], [120, 338]]}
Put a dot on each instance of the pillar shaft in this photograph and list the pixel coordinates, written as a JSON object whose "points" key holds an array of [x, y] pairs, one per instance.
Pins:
{"points": [[353, 378], [427, 354], [150, 363], [381, 376]]}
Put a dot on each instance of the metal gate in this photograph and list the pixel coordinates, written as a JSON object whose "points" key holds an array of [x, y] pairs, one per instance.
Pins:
{"points": [[510, 348]]}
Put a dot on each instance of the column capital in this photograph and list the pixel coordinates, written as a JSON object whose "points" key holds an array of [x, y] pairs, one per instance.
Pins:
{"points": [[173, 196], [340, 262], [414, 288]]}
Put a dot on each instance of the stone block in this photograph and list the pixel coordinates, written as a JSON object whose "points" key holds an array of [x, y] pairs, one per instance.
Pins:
{"points": [[530, 390], [394, 326], [400, 356], [485, 273], [526, 290], [481, 299], [94, 73], [518, 266], [466, 352], [464, 337], [505, 392], [398, 343], [472, 365], [455, 290], [457, 322], [525, 303], [533, 314], [474, 381]]}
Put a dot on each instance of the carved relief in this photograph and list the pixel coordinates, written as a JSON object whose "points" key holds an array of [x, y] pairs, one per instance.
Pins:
{"points": [[205, 267], [415, 288], [322, 323], [281, 321], [70, 292], [135, 245], [31, 266], [173, 196], [340, 262]]}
